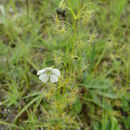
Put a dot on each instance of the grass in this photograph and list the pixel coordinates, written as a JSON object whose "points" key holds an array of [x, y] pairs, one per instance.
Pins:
{"points": [[89, 44]]}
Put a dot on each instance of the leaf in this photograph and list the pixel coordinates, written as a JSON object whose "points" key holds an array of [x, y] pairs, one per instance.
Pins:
{"points": [[114, 124], [107, 94], [98, 83], [99, 102], [126, 121], [108, 124], [119, 9], [97, 126], [77, 106]]}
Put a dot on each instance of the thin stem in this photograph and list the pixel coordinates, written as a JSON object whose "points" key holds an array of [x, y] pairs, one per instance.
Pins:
{"points": [[70, 8], [103, 116], [74, 25], [25, 108], [27, 4], [81, 3], [74, 37]]}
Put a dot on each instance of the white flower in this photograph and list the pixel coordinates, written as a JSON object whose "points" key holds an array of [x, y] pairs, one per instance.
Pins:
{"points": [[47, 74]]}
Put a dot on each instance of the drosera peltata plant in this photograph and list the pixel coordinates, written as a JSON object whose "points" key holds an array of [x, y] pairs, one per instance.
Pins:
{"points": [[58, 99]]}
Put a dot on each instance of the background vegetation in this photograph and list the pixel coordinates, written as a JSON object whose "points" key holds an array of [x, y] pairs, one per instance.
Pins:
{"points": [[92, 53]]}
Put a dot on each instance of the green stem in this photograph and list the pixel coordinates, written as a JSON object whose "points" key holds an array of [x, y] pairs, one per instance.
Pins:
{"points": [[74, 25], [74, 36], [9, 124], [70, 8], [27, 4], [103, 116]]}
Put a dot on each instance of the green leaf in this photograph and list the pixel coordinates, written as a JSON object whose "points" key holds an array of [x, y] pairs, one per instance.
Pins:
{"points": [[126, 121], [107, 94], [98, 83], [97, 126], [77, 106], [108, 124], [99, 102], [114, 124]]}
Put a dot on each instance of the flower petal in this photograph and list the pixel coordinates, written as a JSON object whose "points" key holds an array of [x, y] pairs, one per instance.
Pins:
{"points": [[41, 71], [53, 78], [49, 68], [56, 72], [44, 78], [44, 70]]}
